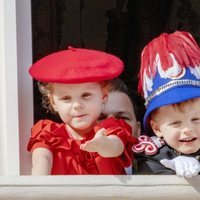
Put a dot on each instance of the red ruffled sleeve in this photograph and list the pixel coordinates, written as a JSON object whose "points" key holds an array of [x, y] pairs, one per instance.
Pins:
{"points": [[124, 132], [44, 134]]}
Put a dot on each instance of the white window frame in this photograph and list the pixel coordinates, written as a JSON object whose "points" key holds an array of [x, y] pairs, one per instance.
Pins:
{"points": [[9, 92], [99, 187], [16, 118], [16, 100]]}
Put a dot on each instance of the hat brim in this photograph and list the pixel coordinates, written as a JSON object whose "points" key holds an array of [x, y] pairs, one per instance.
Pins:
{"points": [[172, 96]]}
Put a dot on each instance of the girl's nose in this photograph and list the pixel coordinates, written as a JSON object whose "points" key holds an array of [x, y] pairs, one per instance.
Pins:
{"points": [[77, 105]]}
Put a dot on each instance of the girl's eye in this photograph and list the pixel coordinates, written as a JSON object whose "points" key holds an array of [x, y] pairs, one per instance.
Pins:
{"points": [[86, 95], [196, 119], [65, 98]]}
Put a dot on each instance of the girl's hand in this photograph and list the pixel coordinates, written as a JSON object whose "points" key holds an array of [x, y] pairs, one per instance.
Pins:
{"points": [[105, 145], [96, 143]]}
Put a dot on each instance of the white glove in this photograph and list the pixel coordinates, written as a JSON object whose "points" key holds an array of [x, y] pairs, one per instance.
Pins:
{"points": [[183, 166]]}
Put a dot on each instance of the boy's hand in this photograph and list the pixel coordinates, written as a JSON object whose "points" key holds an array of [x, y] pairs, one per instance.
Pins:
{"points": [[183, 166], [96, 143]]}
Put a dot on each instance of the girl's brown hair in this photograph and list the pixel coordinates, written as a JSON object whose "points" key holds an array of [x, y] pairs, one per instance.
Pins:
{"points": [[44, 89]]}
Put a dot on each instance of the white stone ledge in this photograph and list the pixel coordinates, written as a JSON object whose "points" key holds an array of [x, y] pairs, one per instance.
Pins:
{"points": [[99, 187]]}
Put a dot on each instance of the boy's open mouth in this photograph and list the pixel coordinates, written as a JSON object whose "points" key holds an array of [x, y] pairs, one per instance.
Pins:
{"points": [[187, 139]]}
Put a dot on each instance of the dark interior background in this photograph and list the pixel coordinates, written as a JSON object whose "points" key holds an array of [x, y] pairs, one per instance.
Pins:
{"points": [[121, 27]]}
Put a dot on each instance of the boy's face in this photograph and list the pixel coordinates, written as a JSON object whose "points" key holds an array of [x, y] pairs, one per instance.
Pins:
{"points": [[120, 106], [179, 126], [79, 105]]}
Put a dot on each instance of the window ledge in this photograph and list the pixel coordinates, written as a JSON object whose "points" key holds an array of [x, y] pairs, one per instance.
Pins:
{"points": [[99, 187]]}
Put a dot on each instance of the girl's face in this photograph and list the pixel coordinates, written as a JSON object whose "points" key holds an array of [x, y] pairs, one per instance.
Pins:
{"points": [[179, 126], [79, 105], [120, 106]]}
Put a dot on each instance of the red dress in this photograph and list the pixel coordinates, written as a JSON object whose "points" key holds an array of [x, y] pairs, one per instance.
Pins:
{"points": [[69, 159]]}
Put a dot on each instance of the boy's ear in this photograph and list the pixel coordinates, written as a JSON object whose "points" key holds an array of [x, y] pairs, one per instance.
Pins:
{"points": [[156, 129]]}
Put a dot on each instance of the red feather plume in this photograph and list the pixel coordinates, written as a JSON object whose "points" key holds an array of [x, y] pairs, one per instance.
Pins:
{"points": [[181, 44]]}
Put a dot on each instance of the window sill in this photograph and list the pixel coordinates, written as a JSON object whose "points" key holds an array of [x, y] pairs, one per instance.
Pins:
{"points": [[99, 187]]}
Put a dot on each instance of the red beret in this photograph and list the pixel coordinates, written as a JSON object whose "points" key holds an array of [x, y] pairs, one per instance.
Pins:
{"points": [[77, 66]]}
